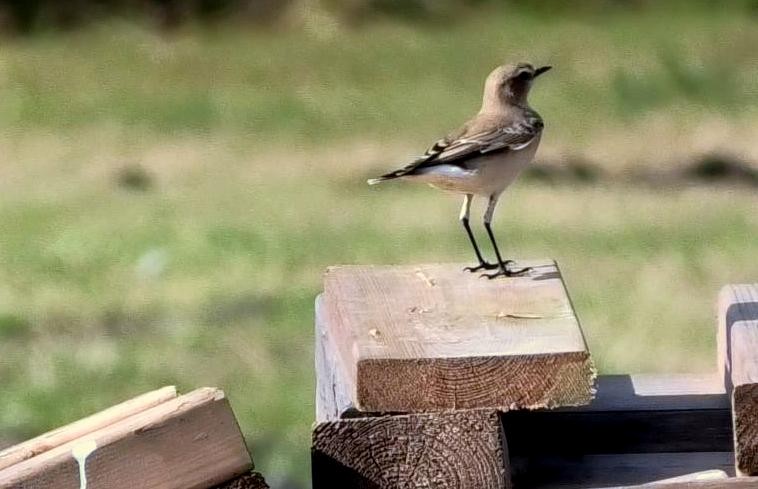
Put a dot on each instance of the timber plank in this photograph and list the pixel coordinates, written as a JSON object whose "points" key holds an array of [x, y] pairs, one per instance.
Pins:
{"points": [[430, 337], [28, 449], [456, 449], [191, 442]]}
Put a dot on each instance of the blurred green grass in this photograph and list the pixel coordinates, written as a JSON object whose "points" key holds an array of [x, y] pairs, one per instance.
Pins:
{"points": [[168, 203]]}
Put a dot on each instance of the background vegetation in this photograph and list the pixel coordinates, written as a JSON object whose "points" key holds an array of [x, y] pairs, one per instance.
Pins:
{"points": [[169, 198]]}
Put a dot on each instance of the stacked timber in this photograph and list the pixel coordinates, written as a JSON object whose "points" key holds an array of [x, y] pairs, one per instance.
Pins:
{"points": [[428, 377], [415, 364], [159, 440]]}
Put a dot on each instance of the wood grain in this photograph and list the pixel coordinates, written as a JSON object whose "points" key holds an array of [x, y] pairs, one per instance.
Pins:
{"points": [[631, 413], [23, 451], [738, 360], [459, 449], [429, 337], [191, 442]]}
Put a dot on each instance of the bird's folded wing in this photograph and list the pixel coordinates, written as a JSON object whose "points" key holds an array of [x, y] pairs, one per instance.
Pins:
{"points": [[469, 144]]}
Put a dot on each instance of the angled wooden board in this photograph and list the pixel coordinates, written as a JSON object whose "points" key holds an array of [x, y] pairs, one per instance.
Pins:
{"points": [[428, 337], [48, 441], [190, 442]]}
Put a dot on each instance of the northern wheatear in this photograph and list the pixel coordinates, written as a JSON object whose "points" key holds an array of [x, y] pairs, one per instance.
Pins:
{"points": [[485, 155]]}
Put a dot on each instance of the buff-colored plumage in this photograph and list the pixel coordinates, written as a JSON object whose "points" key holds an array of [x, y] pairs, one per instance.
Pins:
{"points": [[488, 152]]}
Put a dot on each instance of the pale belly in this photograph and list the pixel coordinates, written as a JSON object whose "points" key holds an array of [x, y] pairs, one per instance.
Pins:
{"points": [[486, 175]]}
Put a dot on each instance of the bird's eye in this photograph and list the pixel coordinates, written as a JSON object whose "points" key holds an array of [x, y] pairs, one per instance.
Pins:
{"points": [[524, 76]]}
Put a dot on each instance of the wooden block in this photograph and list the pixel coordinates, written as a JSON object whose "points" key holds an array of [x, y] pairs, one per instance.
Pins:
{"points": [[191, 442], [631, 413], [253, 480], [738, 360], [461, 449], [429, 337], [619, 470], [58, 437], [456, 449]]}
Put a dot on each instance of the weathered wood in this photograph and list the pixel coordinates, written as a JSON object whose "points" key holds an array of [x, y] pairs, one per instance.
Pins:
{"points": [[333, 399], [462, 449], [456, 449], [23, 451], [617, 470], [191, 442], [738, 360], [429, 337], [637, 413], [253, 480]]}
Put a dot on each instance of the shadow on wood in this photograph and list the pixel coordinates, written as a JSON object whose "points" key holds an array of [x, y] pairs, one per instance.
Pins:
{"points": [[328, 472]]}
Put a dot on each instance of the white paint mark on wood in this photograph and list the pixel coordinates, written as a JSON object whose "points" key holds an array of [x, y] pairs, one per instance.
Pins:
{"points": [[81, 450]]}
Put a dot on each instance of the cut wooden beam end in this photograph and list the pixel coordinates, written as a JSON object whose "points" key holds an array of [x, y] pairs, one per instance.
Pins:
{"points": [[52, 439], [189, 442], [461, 449], [738, 361], [504, 383], [431, 337]]}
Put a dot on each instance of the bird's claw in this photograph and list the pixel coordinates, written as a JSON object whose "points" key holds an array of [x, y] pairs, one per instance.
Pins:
{"points": [[504, 272], [485, 266]]}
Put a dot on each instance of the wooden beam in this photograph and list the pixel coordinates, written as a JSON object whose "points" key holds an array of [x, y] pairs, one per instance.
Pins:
{"points": [[23, 451], [455, 449], [429, 337], [617, 470], [738, 360], [190, 442], [631, 413], [253, 480], [462, 449]]}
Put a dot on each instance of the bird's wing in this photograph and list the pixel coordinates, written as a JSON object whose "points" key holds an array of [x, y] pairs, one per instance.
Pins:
{"points": [[472, 141]]}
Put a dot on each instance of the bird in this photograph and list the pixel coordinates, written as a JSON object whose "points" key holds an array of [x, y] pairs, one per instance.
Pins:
{"points": [[485, 155]]}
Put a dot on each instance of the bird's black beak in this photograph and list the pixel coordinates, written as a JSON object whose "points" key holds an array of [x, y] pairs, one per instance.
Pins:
{"points": [[540, 71]]}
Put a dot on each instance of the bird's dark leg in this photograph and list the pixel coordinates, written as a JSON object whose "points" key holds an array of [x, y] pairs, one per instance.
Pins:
{"points": [[502, 264], [483, 265]]}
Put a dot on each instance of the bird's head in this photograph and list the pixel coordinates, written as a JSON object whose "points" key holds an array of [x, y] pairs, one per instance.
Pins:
{"points": [[509, 84]]}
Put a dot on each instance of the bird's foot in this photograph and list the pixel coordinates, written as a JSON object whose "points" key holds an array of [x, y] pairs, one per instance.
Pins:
{"points": [[482, 266], [506, 272]]}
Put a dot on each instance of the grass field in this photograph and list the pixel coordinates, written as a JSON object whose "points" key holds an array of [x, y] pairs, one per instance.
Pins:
{"points": [[167, 205]]}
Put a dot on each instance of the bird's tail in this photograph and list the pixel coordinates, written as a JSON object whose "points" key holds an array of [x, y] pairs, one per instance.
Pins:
{"points": [[386, 176]]}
